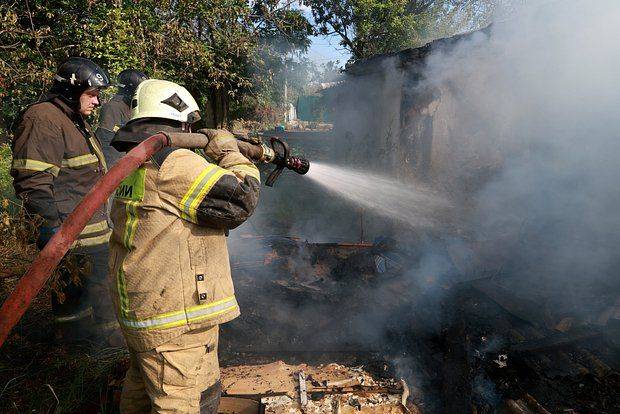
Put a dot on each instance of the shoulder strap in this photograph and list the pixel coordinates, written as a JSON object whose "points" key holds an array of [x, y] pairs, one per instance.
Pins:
{"points": [[159, 157]]}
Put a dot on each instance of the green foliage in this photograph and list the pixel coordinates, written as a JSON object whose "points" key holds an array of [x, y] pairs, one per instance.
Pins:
{"points": [[213, 48], [281, 28], [6, 188], [383, 26], [370, 27], [282, 37], [21, 63]]}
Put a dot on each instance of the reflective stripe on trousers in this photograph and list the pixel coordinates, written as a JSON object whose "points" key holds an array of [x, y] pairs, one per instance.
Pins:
{"points": [[183, 317]]}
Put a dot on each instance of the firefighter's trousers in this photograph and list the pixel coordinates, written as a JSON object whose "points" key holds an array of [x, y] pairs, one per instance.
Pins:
{"points": [[85, 304], [180, 376]]}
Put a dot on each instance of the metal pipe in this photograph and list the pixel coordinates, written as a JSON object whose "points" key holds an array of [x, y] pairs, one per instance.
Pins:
{"points": [[40, 270]]}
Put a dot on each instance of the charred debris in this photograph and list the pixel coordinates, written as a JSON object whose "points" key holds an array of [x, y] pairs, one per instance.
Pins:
{"points": [[461, 344], [469, 323]]}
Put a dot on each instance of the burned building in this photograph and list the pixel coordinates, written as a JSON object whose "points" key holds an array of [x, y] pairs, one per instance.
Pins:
{"points": [[404, 124]]}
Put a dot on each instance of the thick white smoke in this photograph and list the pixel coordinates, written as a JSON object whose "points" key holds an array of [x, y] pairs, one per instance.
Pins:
{"points": [[538, 98]]}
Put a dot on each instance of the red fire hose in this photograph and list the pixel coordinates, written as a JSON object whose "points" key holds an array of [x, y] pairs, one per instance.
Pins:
{"points": [[40, 270]]}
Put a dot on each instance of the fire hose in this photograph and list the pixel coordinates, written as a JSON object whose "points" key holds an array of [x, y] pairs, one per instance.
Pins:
{"points": [[42, 267]]}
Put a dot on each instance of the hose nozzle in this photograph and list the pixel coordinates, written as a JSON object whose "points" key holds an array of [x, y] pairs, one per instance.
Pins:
{"points": [[278, 154], [298, 164], [282, 159]]}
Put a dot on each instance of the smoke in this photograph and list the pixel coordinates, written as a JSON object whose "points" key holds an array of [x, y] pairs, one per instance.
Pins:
{"points": [[537, 98], [519, 125]]}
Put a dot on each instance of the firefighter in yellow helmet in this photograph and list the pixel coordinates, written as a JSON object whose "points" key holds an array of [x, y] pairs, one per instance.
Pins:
{"points": [[169, 268]]}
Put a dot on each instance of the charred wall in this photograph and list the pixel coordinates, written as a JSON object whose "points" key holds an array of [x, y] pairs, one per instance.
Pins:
{"points": [[387, 116]]}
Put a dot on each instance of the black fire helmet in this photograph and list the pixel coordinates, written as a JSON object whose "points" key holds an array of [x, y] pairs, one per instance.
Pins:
{"points": [[128, 80], [75, 76]]}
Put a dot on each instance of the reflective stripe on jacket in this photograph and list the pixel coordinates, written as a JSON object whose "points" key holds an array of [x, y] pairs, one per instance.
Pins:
{"points": [[170, 270], [56, 161]]}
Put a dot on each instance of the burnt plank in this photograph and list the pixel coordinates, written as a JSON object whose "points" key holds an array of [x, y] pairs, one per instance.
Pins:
{"points": [[557, 340], [524, 309], [456, 371]]}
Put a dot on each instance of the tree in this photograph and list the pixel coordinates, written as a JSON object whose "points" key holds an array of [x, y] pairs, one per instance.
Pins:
{"points": [[209, 47], [370, 27]]}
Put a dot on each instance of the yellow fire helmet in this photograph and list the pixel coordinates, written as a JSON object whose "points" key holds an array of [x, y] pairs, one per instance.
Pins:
{"points": [[155, 98]]}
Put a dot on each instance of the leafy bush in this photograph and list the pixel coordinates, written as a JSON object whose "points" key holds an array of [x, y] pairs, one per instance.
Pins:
{"points": [[6, 186], [212, 48]]}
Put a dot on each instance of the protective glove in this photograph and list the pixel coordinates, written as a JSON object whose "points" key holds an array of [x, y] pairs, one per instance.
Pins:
{"points": [[255, 152], [246, 136], [220, 146], [253, 148], [221, 143], [45, 234]]}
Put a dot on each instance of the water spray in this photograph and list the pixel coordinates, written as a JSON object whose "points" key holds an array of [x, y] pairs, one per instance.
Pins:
{"points": [[412, 204]]}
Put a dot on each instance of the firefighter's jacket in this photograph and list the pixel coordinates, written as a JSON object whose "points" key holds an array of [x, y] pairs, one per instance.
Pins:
{"points": [[56, 161], [114, 115], [169, 265]]}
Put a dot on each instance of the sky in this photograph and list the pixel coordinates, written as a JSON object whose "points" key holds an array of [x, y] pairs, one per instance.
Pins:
{"points": [[324, 48]]}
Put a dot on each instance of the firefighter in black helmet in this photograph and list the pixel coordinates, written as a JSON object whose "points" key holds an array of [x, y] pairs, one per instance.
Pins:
{"points": [[116, 112], [56, 162], [74, 77]]}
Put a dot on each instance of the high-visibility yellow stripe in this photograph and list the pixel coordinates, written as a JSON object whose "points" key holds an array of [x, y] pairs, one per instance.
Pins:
{"points": [[80, 161], [35, 165], [99, 153], [92, 241], [213, 314], [204, 191], [197, 191], [131, 209], [250, 170], [195, 184], [131, 223], [95, 227], [121, 286], [182, 317]]}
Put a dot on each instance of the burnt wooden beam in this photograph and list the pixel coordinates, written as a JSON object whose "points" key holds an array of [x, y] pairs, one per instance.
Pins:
{"points": [[456, 371], [557, 340], [524, 309], [535, 405]]}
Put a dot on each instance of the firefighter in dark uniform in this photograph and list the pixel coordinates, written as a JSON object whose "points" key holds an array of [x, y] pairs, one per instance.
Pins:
{"points": [[56, 161], [116, 112]]}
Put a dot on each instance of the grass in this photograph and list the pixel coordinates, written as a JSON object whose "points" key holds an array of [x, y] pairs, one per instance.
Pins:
{"points": [[39, 375], [36, 374]]}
